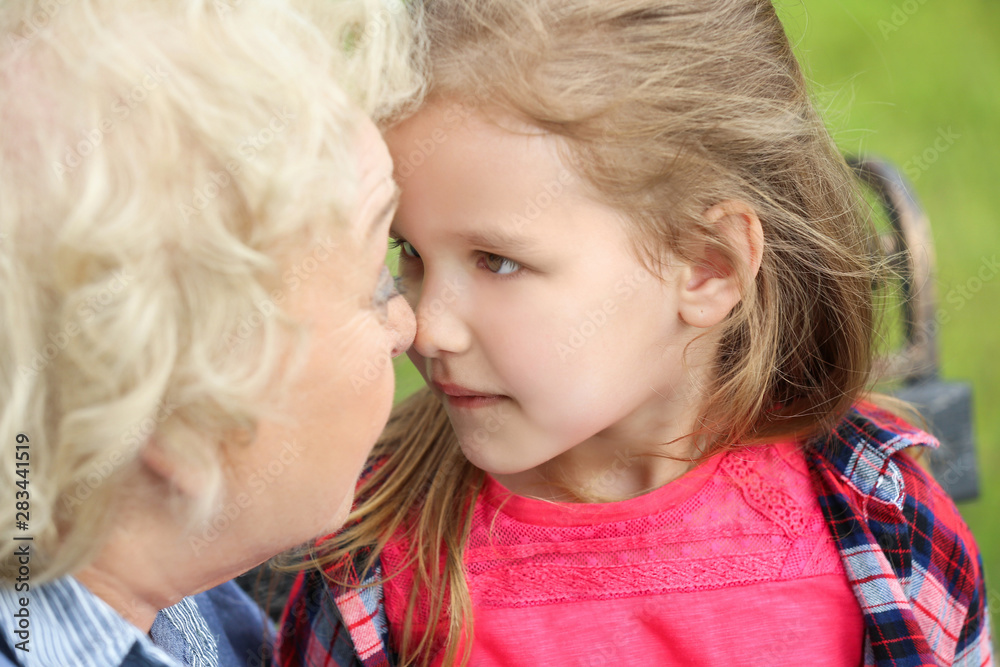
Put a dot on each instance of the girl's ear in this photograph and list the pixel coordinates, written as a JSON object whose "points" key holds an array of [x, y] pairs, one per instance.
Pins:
{"points": [[711, 286]]}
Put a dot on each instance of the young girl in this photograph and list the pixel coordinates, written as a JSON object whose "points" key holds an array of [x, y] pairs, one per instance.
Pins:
{"points": [[643, 290]]}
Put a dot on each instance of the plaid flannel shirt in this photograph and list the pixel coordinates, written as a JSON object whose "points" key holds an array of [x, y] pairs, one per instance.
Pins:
{"points": [[908, 555]]}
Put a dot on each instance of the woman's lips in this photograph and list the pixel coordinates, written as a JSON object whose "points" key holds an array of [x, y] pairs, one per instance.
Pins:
{"points": [[460, 397]]}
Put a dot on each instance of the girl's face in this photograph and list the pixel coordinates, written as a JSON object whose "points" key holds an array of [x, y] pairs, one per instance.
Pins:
{"points": [[544, 335]]}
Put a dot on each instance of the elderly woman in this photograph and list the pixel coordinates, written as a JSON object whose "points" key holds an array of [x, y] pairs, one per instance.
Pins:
{"points": [[197, 320]]}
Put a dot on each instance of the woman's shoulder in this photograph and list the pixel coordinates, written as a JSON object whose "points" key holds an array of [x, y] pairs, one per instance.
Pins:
{"points": [[6, 654], [238, 623]]}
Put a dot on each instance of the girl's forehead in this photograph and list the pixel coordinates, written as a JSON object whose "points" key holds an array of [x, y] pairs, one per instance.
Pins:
{"points": [[483, 171], [468, 120], [458, 152]]}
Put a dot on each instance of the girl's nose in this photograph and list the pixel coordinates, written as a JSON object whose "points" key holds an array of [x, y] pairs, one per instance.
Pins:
{"points": [[440, 328], [402, 325]]}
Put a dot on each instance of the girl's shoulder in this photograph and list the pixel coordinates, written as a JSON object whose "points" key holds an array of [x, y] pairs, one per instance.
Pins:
{"points": [[335, 623], [903, 542], [867, 450], [869, 425], [867, 467], [335, 614]]}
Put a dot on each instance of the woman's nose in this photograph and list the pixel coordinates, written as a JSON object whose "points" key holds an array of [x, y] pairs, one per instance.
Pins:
{"points": [[402, 325]]}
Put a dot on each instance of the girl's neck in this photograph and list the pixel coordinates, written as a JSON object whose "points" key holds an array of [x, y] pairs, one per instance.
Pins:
{"points": [[606, 468], [643, 450]]}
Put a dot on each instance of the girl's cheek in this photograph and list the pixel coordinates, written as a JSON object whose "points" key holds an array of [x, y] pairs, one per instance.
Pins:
{"points": [[533, 360]]}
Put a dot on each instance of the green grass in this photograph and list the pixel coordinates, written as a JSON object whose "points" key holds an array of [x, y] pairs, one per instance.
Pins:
{"points": [[890, 92]]}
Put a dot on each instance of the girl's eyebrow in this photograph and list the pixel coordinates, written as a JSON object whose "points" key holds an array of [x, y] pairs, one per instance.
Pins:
{"points": [[497, 239]]}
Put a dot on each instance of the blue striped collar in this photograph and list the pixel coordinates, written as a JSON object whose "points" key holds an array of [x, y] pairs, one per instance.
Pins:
{"points": [[69, 625]]}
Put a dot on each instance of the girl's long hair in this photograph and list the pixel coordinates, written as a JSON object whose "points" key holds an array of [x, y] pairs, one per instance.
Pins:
{"points": [[665, 108]]}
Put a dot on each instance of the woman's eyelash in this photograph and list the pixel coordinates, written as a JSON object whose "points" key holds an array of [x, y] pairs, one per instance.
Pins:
{"points": [[406, 248]]}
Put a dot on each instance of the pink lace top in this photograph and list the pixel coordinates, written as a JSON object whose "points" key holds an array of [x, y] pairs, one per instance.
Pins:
{"points": [[730, 564]]}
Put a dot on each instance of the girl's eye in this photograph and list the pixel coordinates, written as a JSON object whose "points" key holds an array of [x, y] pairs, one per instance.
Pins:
{"points": [[499, 264], [386, 289]]}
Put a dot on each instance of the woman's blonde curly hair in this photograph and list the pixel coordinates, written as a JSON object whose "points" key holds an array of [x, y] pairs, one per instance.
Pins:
{"points": [[158, 162]]}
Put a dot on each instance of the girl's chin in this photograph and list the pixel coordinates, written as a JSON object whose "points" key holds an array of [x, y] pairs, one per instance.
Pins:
{"points": [[493, 462]]}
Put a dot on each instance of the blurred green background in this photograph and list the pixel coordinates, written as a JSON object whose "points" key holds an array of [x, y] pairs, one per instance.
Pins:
{"points": [[891, 78]]}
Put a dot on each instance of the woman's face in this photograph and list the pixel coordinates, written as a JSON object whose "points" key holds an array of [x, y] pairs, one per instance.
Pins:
{"points": [[297, 478]]}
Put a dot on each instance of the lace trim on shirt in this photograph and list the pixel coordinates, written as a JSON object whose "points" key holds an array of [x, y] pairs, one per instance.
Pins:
{"points": [[534, 585], [771, 500]]}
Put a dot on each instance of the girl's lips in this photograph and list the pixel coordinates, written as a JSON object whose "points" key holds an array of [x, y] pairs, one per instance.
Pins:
{"points": [[460, 397], [472, 401]]}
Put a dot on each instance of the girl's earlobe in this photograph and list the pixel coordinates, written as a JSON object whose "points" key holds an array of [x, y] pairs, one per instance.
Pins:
{"points": [[713, 284]]}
